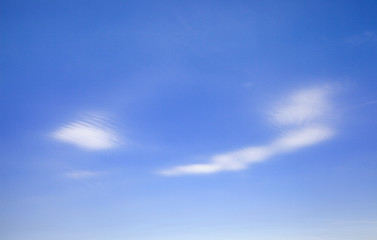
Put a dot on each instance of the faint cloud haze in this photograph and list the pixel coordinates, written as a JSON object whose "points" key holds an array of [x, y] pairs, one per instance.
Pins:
{"points": [[304, 110], [83, 174], [362, 39], [92, 133]]}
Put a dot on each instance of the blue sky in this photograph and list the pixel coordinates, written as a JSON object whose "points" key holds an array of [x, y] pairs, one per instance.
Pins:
{"points": [[191, 120]]}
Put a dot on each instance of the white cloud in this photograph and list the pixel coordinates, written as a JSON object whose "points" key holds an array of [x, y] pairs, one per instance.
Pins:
{"points": [[303, 107], [91, 133], [242, 158], [305, 110], [303, 137], [83, 174]]}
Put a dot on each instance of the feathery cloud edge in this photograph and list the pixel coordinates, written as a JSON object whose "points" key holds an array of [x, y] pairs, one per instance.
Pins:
{"points": [[92, 133]]}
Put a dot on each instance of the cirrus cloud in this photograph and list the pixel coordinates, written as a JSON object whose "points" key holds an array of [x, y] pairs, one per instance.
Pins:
{"points": [[302, 107], [304, 112], [92, 133]]}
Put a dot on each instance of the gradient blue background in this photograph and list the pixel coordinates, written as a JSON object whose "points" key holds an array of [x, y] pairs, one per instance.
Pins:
{"points": [[181, 80]]}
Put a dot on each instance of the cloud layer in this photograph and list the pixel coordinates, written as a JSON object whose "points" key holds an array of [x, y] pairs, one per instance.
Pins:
{"points": [[91, 133], [304, 112]]}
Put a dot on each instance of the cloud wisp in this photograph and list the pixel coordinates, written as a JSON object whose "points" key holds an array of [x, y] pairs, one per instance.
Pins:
{"points": [[83, 174], [304, 111], [92, 133], [362, 39], [302, 108]]}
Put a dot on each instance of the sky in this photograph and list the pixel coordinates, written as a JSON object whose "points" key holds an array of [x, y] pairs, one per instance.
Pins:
{"points": [[197, 120]]}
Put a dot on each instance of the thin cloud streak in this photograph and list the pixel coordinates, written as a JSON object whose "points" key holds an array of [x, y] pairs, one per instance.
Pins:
{"points": [[91, 134], [83, 174], [242, 158], [304, 111]]}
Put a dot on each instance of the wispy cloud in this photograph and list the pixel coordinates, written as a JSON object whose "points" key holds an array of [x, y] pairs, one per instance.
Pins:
{"points": [[241, 159], [303, 107], [362, 39], [304, 110], [92, 133], [83, 174]]}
